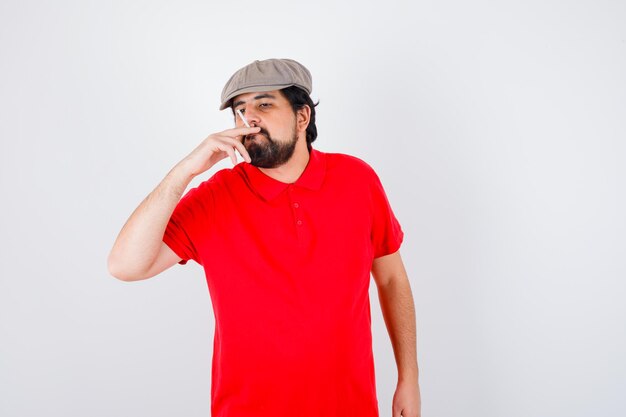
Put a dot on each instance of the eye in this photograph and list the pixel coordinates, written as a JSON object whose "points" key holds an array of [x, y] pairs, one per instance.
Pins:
{"points": [[243, 110]]}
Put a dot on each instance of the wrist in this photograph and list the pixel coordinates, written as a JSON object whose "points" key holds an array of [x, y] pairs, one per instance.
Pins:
{"points": [[408, 378], [182, 172]]}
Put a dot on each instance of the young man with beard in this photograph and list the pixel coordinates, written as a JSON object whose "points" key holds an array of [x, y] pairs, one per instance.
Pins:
{"points": [[288, 239]]}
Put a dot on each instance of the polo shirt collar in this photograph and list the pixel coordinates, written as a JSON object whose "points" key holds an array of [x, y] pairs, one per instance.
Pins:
{"points": [[268, 187]]}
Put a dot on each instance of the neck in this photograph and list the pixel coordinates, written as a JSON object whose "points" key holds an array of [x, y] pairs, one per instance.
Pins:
{"points": [[291, 170]]}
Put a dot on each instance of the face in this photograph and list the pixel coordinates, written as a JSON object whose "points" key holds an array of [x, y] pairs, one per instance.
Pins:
{"points": [[270, 110]]}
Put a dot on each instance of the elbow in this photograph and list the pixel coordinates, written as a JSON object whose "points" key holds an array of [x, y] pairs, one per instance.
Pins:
{"points": [[117, 270], [117, 273]]}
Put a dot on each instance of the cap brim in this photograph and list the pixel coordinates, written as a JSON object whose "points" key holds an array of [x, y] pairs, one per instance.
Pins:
{"points": [[251, 89]]}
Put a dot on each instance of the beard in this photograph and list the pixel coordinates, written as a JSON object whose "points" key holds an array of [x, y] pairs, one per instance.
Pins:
{"points": [[266, 152]]}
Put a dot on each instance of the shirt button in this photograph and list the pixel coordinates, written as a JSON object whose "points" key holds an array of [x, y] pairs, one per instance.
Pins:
{"points": [[299, 222], [296, 205]]}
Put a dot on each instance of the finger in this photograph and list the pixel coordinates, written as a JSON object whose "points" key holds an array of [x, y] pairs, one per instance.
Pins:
{"points": [[231, 152], [240, 131], [241, 138], [244, 153], [242, 149], [225, 146]]}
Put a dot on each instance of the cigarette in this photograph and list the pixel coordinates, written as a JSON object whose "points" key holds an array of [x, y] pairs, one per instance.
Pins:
{"points": [[242, 118]]}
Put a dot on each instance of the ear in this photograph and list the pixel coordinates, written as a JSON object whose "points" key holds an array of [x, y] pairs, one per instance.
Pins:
{"points": [[303, 117]]}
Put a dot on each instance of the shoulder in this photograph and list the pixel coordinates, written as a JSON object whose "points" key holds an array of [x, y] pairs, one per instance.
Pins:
{"points": [[224, 177], [209, 186], [349, 163]]}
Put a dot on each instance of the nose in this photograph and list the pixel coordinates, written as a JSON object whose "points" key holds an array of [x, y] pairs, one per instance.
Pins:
{"points": [[251, 116]]}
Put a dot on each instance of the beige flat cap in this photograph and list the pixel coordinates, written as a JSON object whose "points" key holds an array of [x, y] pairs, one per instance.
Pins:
{"points": [[269, 74]]}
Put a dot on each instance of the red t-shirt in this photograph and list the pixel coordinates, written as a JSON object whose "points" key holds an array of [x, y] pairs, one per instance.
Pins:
{"points": [[288, 271]]}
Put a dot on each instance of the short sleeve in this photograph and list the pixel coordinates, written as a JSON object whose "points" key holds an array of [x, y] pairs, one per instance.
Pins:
{"points": [[387, 234], [189, 222]]}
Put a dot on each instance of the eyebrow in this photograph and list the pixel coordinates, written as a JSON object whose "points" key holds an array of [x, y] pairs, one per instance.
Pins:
{"points": [[260, 96]]}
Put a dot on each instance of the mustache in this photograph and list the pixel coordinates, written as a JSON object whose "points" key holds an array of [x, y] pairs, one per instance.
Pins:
{"points": [[261, 132]]}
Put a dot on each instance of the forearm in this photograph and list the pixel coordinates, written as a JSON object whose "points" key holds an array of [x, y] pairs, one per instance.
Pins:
{"points": [[139, 241], [398, 310]]}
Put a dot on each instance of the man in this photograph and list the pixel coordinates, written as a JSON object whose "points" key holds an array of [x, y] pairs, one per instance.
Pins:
{"points": [[287, 239]]}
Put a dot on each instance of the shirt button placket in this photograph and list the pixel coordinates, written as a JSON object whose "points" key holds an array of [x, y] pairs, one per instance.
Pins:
{"points": [[298, 220], [297, 213]]}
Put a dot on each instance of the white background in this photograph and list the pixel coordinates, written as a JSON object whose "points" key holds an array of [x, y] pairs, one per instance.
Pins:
{"points": [[497, 128]]}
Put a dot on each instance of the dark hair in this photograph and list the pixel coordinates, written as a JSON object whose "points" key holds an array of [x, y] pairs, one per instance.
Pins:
{"points": [[297, 97]]}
